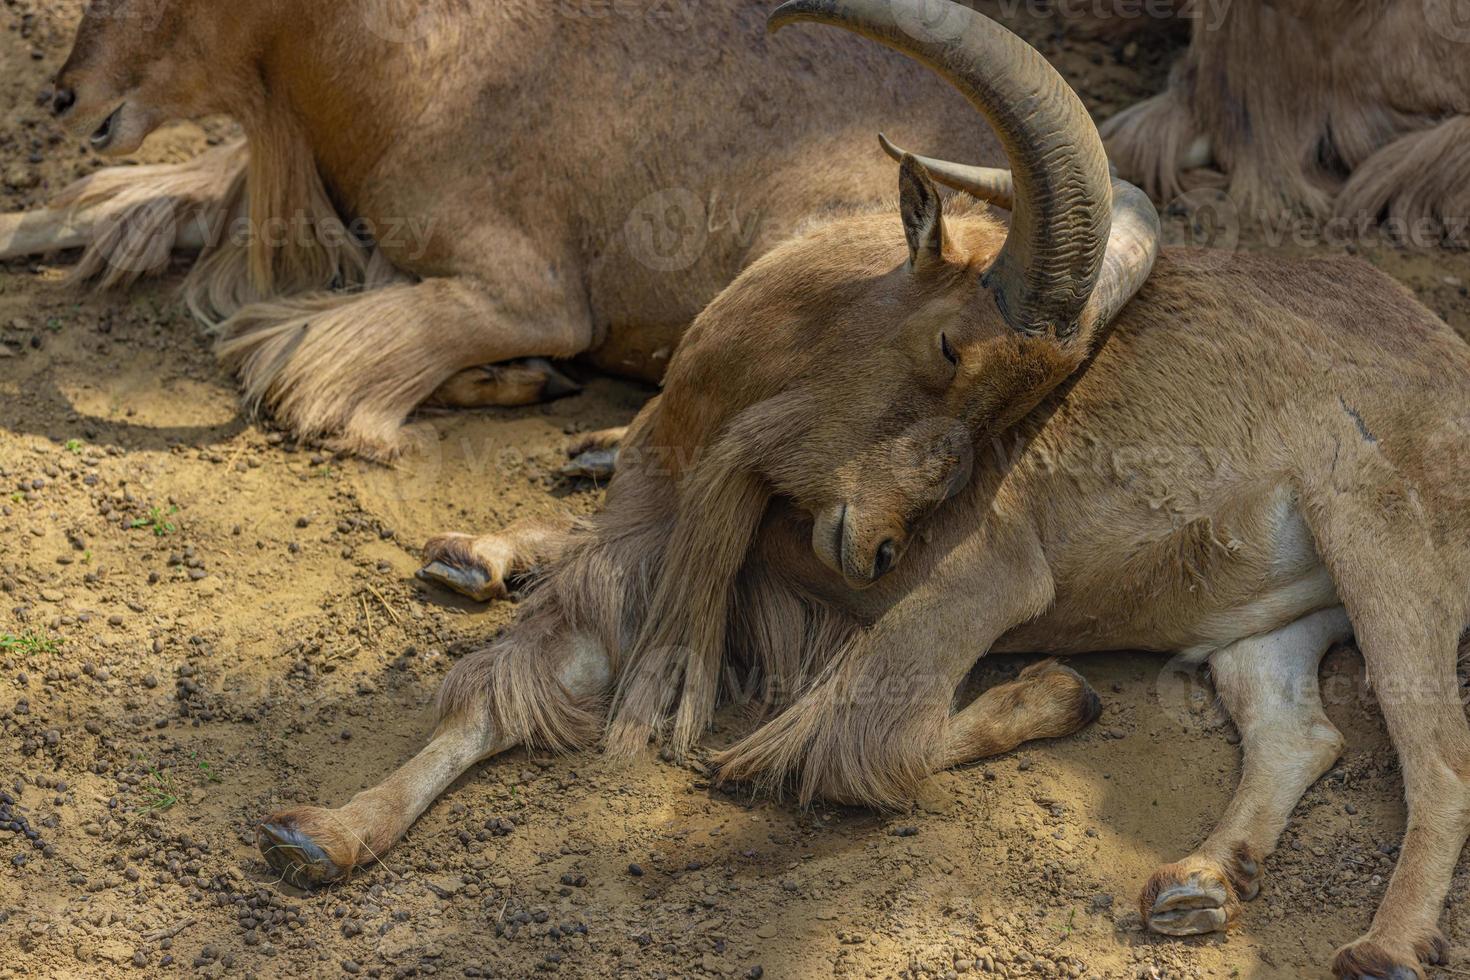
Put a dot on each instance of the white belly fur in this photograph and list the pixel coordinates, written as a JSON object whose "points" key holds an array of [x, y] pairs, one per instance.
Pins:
{"points": [[1301, 586]]}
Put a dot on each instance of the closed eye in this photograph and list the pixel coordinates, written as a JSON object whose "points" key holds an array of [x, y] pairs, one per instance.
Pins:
{"points": [[948, 351]]}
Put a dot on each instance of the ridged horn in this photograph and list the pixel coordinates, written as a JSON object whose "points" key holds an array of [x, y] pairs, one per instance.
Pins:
{"points": [[1050, 263], [1133, 236], [991, 184]]}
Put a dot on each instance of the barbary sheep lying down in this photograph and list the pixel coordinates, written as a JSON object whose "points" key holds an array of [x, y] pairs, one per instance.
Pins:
{"points": [[432, 197], [1357, 111], [894, 445]]}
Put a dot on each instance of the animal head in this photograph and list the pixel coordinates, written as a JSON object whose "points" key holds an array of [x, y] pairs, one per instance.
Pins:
{"points": [[863, 361], [137, 64]]}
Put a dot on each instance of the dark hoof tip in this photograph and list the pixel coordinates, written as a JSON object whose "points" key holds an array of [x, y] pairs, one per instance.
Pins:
{"points": [[1367, 960], [1088, 705], [1190, 908], [298, 859], [1091, 704], [594, 464], [559, 385], [472, 582]]}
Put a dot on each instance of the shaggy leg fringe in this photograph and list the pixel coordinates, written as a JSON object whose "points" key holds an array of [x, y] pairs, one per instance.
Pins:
{"points": [[349, 367], [516, 684], [1419, 184], [1151, 144], [868, 732], [139, 215], [1160, 145], [676, 664], [1295, 121]]}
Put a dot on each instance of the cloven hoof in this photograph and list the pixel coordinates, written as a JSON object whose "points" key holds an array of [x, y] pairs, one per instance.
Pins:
{"points": [[298, 859]]}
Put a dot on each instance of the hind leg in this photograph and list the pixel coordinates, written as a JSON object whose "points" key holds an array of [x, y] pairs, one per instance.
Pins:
{"points": [[1410, 654], [512, 693], [480, 567], [1268, 684], [1399, 555], [1411, 665]]}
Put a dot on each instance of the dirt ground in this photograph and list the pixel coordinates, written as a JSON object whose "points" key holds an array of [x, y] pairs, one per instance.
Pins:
{"points": [[203, 621]]}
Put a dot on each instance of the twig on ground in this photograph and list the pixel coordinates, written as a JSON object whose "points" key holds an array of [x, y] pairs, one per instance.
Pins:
{"points": [[168, 932], [391, 611]]}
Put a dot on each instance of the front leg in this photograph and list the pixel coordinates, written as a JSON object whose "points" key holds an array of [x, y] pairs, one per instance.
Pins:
{"points": [[1047, 700], [482, 567], [1268, 685], [510, 385], [539, 684], [131, 219], [879, 718], [351, 367], [1419, 183], [594, 455]]}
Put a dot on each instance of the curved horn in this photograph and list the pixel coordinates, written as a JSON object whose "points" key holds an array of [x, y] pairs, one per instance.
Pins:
{"points": [[1053, 254], [991, 184], [1133, 245], [1133, 237]]}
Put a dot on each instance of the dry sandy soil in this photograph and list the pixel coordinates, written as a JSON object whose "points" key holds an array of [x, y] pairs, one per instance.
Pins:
{"points": [[205, 621]]}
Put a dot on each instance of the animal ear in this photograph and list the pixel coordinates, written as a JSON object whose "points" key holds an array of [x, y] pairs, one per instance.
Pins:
{"points": [[923, 217]]}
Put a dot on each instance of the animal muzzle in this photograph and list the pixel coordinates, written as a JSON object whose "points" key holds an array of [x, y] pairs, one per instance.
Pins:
{"points": [[107, 120], [860, 550]]}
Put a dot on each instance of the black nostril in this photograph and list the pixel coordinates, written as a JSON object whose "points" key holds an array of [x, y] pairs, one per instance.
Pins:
{"points": [[63, 100], [884, 559]]}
